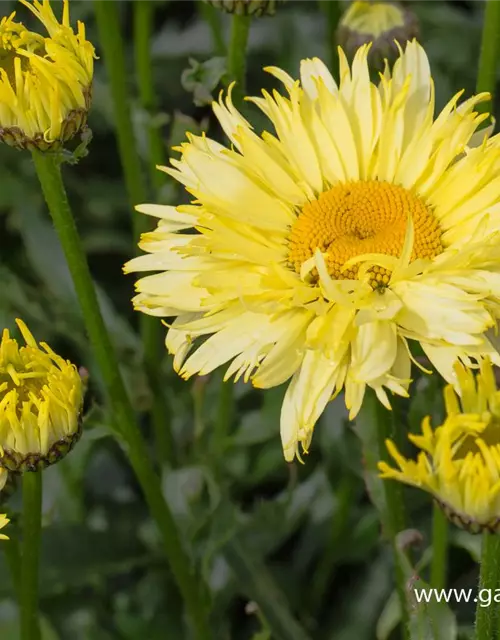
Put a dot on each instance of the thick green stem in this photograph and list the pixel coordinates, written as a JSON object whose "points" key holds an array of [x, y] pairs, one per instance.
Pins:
{"points": [[490, 50], [110, 37], [439, 548], [188, 582], [237, 53], [13, 559], [143, 28], [393, 518], [489, 578], [32, 527], [225, 412], [338, 528], [151, 328], [211, 15]]}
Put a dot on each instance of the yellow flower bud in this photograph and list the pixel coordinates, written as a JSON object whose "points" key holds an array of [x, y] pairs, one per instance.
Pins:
{"points": [[379, 23], [41, 397], [45, 82], [246, 7]]}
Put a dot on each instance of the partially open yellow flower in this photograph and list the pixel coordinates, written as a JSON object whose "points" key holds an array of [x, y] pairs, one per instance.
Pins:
{"points": [[322, 251], [3, 522], [40, 404], [45, 82], [459, 462]]}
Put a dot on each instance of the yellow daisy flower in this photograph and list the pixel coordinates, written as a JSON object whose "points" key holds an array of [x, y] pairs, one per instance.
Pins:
{"points": [[3, 522], [459, 462], [324, 250], [41, 397], [45, 83]]}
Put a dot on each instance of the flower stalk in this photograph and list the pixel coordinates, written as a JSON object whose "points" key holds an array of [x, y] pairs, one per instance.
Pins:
{"points": [[490, 51], [393, 518], [212, 18], [107, 18], [32, 525], [237, 53], [151, 328], [489, 578], [143, 27], [439, 548], [191, 587]]}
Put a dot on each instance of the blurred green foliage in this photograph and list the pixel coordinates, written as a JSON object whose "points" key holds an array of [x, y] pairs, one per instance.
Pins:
{"points": [[303, 541]]}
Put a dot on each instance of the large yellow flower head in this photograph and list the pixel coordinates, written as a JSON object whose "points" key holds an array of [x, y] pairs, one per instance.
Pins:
{"points": [[459, 462], [323, 251], [41, 397], [45, 83]]}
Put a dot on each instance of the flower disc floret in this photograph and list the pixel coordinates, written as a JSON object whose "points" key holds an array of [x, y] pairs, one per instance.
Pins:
{"points": [[361, 218], [45, 82], [41, 398]]}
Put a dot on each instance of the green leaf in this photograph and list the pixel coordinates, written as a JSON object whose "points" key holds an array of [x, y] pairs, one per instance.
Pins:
{"points": [[431, 621], [255, 582], [201, 78], [428, 621], [9, 624], [366, 428], [389, 618]]}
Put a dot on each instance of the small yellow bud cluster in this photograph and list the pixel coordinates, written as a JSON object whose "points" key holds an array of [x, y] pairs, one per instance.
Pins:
{"points": [[41, 397], [45, 83]]}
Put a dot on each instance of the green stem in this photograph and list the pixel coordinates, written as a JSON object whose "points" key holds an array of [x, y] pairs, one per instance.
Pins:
{"points": [[189, 583], [108, 23], [490, 50], [211, 15], [151, 328], [225, 412], [339, 525], [489, 578], [333, 11], [13, 560], [143, 28], [32, 527], [393, 518], [439, 548], [237, 53]]}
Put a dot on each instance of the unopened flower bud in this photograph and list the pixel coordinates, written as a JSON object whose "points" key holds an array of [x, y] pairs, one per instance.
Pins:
{"points": [[380, 23], [45, 82], [246, 7], [41, 397]]}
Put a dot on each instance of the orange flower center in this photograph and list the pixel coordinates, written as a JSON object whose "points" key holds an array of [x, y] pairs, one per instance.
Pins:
{"points": [[357, 218]]}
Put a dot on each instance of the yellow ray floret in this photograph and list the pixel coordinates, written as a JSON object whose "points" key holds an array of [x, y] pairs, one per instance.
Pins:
{"points": [[3, 522], [41, 397], [45, 82], [322, 249], [459, 462]]}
